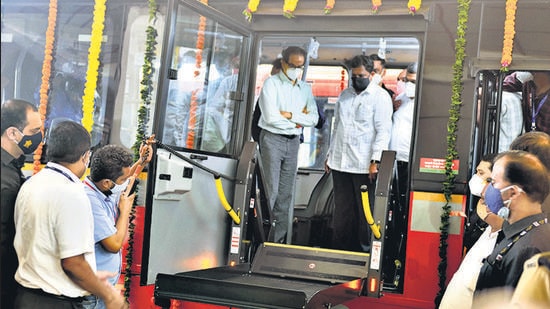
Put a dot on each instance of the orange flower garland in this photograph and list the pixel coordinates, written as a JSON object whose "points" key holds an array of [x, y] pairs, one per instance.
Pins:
{"points": [[329, 6], [93, 65], [46, 74], [509, 33], [198, 62], [375, 5]]}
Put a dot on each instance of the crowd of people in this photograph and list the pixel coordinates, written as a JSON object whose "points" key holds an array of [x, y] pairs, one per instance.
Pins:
{"points": [[61, 250], [61, 236]]}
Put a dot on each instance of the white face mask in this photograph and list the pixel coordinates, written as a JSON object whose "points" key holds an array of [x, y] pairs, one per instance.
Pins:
{"points": [[293, 73], [400, 88], [410, 89], [377, 79], [476, 185], [117, 189]]}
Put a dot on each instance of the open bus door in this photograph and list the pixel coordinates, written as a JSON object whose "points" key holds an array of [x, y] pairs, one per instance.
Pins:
{"points": [[199, 125]]}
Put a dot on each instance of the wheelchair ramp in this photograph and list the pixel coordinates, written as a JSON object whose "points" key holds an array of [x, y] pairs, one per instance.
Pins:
{"points": [[281, 276]]}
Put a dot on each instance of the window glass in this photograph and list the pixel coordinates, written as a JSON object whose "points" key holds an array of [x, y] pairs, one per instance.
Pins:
{"points": [[202, 91]]}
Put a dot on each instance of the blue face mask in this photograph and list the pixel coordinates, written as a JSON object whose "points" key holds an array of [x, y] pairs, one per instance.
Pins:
{"points": [[493, 199]]}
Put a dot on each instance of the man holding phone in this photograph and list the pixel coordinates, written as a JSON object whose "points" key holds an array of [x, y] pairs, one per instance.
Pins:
{"points": [[110, 190]]}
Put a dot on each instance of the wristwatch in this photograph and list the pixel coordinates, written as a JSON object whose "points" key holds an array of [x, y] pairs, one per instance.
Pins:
{"points": [[374, 162]]}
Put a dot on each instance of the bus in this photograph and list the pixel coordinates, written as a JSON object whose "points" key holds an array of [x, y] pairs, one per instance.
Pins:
{"points": [[201, 219]]}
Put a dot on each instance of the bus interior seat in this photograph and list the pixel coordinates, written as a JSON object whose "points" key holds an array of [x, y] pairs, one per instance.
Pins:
{"points": [[316, 217]]}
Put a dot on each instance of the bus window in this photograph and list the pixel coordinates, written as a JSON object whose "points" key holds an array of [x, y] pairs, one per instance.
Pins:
{"points": [[201, 92], [130, 85]]}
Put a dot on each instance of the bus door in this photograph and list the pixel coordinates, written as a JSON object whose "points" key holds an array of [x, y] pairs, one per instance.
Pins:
{"points": [[199, 124]]}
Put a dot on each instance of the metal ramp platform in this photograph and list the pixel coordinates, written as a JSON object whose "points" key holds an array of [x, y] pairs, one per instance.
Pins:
{"points": [[281, 276]]}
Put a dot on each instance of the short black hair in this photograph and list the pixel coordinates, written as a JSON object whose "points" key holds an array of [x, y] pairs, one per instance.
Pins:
{"points": [[525, 170], [108, 162], [14, 114], [362, 60], [293, 50], [68, 141], [535, 142], [490, 157], [375, 57], [412, 68]]}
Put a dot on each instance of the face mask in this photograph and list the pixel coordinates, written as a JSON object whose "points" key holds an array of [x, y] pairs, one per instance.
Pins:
{"points": [[29, 143], [117, 189], [360, 83], [400, 88], [410, 89], [493, 199], [377, 79], [293, 73], [476, 185]]}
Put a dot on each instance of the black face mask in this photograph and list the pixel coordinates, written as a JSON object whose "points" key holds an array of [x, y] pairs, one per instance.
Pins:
{"points": [[29, 143], [360, 83]]}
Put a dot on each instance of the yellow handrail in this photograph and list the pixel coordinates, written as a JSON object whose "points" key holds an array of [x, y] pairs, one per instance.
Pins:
{"points": [[368, 214], [223, 200]]}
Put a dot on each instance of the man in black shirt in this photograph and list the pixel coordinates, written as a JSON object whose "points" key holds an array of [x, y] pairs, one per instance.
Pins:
{"points": [[523, 184], [21, 134]]}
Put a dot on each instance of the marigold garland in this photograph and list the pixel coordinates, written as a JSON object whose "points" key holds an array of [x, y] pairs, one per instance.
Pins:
{"points": [[375, 5], [251, 8], [289, 6], [46, 75], [329, 6], [414, 6], [452, 137], [93, 65], [509, 33]]}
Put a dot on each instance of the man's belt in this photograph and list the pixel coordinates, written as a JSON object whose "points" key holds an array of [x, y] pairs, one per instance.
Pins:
{"points": [[41, 292], [291, 136]]}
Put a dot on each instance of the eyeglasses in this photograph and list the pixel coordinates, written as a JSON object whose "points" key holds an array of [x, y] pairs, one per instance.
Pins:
{"points": [[293, 66]]}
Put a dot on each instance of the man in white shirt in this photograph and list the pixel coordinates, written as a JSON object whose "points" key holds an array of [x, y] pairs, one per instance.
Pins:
{"points": [[401, 134], [362, 129], [287, 105], [54, 229]]}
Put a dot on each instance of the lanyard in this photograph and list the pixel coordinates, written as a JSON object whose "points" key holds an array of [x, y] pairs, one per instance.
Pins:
{"points": [[113, 210], [55, 169], [536, 112], [505, 250]]}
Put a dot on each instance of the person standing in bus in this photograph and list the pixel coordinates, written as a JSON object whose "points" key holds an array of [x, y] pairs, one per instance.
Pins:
{"points": [[54, 230], [362, 130], [511, 117], [287, 105], [219, 111], [111, 167], [380, 71], [536, 103], [21, 135], [522, 182], [402, 126]]}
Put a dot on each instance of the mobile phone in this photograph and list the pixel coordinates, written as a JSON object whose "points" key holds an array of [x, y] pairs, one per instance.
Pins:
{"points": [[133, 186]]}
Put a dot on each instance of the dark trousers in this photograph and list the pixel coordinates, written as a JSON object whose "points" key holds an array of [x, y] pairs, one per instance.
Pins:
{"points": [[350, 228], [31, 299]]}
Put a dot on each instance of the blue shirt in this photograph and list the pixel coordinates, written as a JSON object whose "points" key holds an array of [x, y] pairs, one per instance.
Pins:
{"points": [[280, 94], [105, 211]]}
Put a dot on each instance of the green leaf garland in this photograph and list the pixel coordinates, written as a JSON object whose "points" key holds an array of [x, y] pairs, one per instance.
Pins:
{"points": [[146, 91], [452, 153]]}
